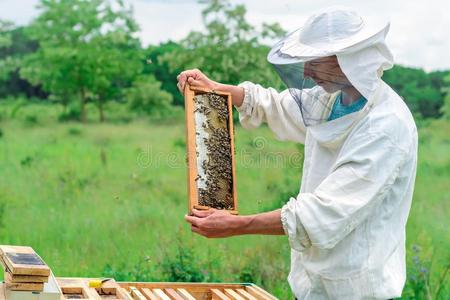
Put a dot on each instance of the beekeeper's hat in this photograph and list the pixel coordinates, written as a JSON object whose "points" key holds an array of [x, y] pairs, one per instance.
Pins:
{"points": [[329, 32]]}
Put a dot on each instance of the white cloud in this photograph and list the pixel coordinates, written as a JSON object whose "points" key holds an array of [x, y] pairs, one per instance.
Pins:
{"points": [[418, 35]]}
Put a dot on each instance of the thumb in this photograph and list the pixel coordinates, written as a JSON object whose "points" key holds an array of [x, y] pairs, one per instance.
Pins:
{"points": [[195, 83], [202, 213]]}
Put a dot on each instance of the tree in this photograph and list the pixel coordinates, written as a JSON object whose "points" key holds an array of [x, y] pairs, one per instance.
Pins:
{"points": [[161, 70], [146, 96], [7, 62], [86, 49], [230, 50], [445, 109], [420, 90], [18, 45]]}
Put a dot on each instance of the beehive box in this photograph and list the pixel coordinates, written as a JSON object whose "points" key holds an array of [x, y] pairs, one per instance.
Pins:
{"points": [[210, 150], [78, 288]]}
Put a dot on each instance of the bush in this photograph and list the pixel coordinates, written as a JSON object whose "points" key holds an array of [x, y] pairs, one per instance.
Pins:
{"points": [[183, 267], [71, 114], [142, 271], [146, 97]]}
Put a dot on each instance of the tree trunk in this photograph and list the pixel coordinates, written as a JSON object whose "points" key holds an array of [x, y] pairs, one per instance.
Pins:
{"points": [[83, 105], [100, 109]]}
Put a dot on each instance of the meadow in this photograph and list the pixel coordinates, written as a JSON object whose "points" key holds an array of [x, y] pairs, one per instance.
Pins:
{"points": [[108, 199]]}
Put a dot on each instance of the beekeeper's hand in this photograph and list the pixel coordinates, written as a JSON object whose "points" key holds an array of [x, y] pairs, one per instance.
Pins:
{"points": [[215, 223], [195, 78]]}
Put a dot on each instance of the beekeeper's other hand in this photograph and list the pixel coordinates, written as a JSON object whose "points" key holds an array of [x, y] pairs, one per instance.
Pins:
{"points": [[195, 78]]}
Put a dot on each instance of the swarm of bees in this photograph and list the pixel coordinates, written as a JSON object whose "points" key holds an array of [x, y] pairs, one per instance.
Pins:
{"points": [[218, 166]]}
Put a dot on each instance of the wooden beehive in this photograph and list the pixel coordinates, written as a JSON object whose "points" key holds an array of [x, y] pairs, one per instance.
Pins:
{"points": [[79, 288], [210, 150]]}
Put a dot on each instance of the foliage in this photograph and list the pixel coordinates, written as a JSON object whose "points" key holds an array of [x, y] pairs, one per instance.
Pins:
{"points": [[8, 63], [420, 90], [160, 68], [230, 49], [146, 96], [419, 284], [86, 48], [445, 109], [11, 53], [183, 267]]}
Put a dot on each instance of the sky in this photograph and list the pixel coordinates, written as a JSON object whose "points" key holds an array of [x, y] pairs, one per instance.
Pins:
{"points": [[419, 33]]}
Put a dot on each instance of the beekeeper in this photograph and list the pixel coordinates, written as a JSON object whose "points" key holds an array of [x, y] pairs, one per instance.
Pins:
{"points": [[346, 227]]}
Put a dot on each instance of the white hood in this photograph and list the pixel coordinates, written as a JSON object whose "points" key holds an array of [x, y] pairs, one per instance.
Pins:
{"points": [[365, 67]]}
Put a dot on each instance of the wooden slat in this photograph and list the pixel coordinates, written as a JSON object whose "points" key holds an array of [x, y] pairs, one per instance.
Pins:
{"points": [[216, 294], [173, 294], [185, 294], [72, 290], [161, 295], [259, 293], [233, 159], [149, 294], [26, 278], [233, 295], [2, 292], [37, 287], [124, 294], [136, 294], [245, 294], [190, 145]]}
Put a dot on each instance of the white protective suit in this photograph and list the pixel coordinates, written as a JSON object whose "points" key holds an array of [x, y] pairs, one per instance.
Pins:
{"points": [[346, 227]]}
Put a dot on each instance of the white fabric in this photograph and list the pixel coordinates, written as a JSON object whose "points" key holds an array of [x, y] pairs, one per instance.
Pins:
{"points": [[346, 227], [364, 67], [334, 30]]}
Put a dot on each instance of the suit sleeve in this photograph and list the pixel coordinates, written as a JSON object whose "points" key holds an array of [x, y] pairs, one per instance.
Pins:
{"points": [[278, 110]]}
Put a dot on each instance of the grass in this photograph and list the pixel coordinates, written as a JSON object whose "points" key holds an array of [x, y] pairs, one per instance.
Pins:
{"points": [[109, 199]]}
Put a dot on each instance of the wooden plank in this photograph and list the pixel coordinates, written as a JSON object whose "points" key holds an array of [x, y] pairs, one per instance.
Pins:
{"points": [[20, 286], [185, 294], [259, 293], [136, 294], [124, 294], [25, 278], [233, 159], [2, 262], [2, 292], [216, 294], [233, 295], [173, 294], [190, 147], [74, 293], [149, 294], [161, 295], [201, 207], [22, 260], [190, 287], [245, 294]]}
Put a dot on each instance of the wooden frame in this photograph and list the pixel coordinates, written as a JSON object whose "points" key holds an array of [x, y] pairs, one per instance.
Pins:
{"points": [[193, 291], [189, 94]]}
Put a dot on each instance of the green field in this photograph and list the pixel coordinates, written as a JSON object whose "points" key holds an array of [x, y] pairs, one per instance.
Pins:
{"points": [[109, 200]]}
